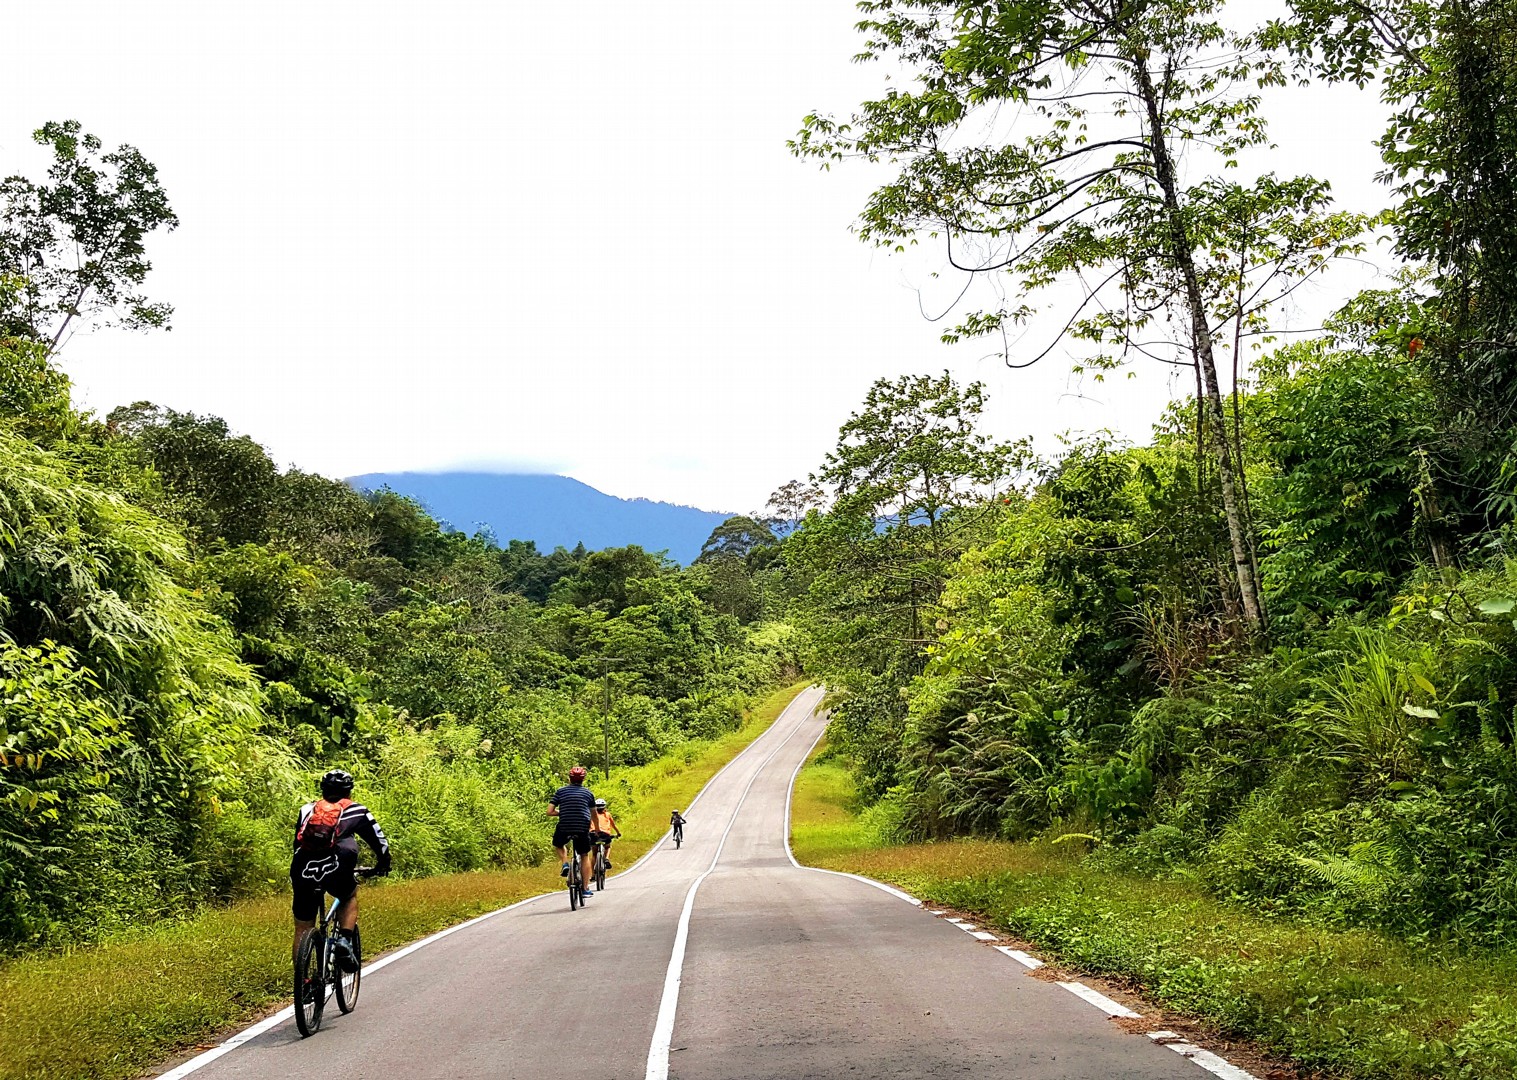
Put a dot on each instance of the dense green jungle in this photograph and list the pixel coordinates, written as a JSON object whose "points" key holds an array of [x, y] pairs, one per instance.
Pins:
{"points": [[192, 635], [1273, 650]]}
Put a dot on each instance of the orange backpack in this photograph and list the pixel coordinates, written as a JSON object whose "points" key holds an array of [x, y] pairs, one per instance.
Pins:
{"points": [[319, 831]]}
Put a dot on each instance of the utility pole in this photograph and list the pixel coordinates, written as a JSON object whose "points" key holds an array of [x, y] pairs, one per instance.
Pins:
{"points": [[605, 716]]}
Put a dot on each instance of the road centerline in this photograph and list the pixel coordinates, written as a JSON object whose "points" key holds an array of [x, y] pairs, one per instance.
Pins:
{"points": [[663, 1026]]}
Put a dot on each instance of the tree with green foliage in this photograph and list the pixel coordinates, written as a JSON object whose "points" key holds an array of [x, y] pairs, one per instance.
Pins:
{"points": [[1448, 69], [219, 486], [913, 483], [79, 239], [736, 538], [1091, 193]]}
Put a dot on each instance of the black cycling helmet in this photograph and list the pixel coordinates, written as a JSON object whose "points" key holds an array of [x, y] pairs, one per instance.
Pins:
{"points": [[336, 784]]}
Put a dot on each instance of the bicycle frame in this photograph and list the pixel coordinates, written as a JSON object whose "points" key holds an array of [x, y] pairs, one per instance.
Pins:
{"points": [[329, 977]]}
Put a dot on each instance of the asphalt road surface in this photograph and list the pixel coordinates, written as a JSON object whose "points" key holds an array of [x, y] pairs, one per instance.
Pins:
{"points": [[721, 959]]}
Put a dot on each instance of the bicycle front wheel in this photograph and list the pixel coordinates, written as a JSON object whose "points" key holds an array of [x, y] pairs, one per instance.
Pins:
{"points": [[349, 981], [310, 983]]}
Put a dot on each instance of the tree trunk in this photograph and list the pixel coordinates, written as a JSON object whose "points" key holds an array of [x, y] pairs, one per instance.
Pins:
{"points": [[1184, 256]]}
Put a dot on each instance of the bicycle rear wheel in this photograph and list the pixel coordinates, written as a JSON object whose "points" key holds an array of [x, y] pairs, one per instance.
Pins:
{"points": [[574, 886], [600, 869], [348, 982], [310, 982], [678, 837]]}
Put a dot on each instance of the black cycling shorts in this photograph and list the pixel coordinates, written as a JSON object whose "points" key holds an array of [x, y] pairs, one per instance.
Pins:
{"points": [[315, 872], [602, 838], [581, 840]]}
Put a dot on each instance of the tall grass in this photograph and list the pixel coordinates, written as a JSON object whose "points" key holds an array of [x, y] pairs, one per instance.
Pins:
{"points": [[108, 1012]]}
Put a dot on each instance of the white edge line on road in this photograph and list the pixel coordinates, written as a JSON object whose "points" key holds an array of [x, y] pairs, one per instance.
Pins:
{"points": [[248, 1034], [1027, 960], [1100, 1001], [268, 1022], [983, 935], [663, 1027], [1204, 1058], [789, 854]]}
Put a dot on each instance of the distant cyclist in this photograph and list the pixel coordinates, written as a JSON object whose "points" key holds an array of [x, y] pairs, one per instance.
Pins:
{"points": [[677, 823], [574, 806], [603, 828], [326, 855]]}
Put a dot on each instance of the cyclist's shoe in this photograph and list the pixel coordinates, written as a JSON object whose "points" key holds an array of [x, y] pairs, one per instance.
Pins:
{"points": [[585, 894], [563, 871], [608, 864], [347, 959]]}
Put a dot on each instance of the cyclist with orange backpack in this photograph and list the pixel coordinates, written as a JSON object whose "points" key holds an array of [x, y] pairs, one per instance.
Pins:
{"points": [[326, 856]]}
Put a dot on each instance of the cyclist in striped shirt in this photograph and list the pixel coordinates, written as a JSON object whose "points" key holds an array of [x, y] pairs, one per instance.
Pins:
{"points": [[574, 806]]}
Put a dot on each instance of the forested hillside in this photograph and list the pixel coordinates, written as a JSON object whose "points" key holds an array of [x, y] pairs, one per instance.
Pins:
{"points": [[191, 635], [1273, 650]]}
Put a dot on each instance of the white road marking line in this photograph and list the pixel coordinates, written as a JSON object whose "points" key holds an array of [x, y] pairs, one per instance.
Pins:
{"points": [[790, 797], [201, 1060], [1100, 1000], [663, 1027], [1027, 960], [248, 1034], [1204, 1058], [983, 935]]}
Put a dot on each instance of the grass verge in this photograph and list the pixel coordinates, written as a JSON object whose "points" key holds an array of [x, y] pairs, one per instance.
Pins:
{"points": [[111, 1011], [1346, 1002]]}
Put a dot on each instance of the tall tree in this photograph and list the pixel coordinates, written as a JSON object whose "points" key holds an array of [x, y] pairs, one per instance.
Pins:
{"points": [[1085, 184], [79, 239], [911, 477], [736, 538]]}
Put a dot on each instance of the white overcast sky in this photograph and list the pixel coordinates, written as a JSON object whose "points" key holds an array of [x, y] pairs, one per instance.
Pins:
{"points": [[555, 237]]}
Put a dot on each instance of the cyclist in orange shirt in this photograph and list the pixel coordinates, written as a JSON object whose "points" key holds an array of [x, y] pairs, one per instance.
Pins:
{"points": [[603, 828]]}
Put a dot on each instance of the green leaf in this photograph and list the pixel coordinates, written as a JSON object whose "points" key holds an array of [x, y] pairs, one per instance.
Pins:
{"points": [[1420, 711], [1497, 605]]}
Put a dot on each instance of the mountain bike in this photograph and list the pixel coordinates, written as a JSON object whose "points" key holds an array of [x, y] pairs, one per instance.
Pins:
{"points": [[600, 865], [318, 975], [576, 879]]}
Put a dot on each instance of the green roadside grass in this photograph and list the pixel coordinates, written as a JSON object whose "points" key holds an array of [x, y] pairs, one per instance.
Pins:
{"points": [[111, 1011], [1344, 1002]]}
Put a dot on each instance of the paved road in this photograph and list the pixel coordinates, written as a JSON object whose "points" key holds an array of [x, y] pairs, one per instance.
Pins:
{"points": [[787, 973]]}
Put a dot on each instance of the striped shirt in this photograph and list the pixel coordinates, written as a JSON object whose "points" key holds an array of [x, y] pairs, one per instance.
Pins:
{"points": [[576, 803]]}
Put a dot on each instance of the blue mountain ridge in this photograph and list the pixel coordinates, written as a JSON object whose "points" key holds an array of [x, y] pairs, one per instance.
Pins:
{"points": [[551, 510]]}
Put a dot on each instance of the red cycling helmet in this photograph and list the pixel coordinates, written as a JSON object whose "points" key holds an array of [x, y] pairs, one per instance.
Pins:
{"points": [[577, 773]]}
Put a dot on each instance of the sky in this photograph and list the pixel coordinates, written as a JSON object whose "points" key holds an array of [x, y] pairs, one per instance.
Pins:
{"points": [[540, 237]]}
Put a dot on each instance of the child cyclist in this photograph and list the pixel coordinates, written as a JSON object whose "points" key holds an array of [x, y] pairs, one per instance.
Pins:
{"points": [[603, 828]]}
